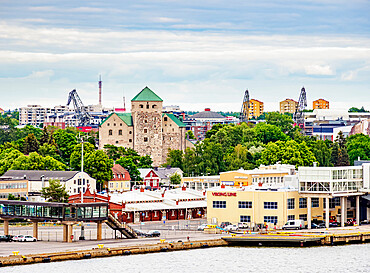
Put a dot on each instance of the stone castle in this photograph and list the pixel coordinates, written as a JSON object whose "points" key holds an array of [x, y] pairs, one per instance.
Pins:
{"points": [[146, 129]]}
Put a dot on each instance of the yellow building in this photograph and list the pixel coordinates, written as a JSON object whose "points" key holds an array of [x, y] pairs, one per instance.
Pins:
{"points": [[16, 187], [320, 104], [258, 205], [264, 175], [288, 106], [255, 108]]}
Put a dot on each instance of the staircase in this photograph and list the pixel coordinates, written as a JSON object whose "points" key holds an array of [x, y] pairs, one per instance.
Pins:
{"points": [[125, 229]]}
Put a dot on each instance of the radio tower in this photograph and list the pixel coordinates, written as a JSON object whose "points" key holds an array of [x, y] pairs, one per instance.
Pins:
{"points": [[99, 89]]}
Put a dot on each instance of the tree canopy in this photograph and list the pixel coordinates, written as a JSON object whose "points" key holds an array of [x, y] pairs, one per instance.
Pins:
{"points": [[55, 192]]}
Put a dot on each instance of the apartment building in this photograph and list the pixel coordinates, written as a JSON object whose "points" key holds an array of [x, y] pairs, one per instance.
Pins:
{"points": [[288, 106], [320, 104], [256, 108]]}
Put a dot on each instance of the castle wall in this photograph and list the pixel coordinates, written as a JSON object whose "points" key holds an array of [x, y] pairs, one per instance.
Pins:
{"points": [[115, 132]]}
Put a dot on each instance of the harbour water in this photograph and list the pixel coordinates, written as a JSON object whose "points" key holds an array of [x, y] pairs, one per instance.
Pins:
{"points": [[346, 258]]}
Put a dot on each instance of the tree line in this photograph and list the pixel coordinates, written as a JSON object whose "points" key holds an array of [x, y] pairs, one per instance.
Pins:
{"points": [[247, 146]]}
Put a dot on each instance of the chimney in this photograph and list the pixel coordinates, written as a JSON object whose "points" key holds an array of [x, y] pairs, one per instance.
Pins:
{"points": [[123, 205], [141, 189], [222, 186], [204, 193], [177, 202], [163, 194], [183, 187]]}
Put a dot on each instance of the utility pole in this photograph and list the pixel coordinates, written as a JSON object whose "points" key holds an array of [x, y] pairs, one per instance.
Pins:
{"points": [[82, 237]]}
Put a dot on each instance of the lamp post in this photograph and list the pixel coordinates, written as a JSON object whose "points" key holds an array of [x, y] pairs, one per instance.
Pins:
{"points": [[82, 237]]}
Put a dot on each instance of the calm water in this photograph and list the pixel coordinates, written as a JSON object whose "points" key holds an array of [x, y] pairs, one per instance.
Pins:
{"points": [[349, 258]]}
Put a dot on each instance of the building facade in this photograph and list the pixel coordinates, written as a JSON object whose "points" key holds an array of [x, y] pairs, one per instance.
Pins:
{"points": [[288, 106], [256, 108], [120, 181], [320, 104], [74, 182], [146, 129]]}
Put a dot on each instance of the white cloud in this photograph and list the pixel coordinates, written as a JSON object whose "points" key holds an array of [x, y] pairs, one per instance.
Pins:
{"points": [[166, 20], [316, 69]]}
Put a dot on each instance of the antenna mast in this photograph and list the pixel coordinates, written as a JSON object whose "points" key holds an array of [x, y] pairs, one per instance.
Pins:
{"points": [[100, 84]]}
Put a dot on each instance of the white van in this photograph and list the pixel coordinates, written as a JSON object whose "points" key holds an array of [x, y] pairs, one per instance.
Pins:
{"points": [[294, 224]]}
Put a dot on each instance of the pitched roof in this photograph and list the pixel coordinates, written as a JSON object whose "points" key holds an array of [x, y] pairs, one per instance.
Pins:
{"points": [[175, 119], [146, 95], [125, 117], [32, 175], [118, 169], [207, 114]]}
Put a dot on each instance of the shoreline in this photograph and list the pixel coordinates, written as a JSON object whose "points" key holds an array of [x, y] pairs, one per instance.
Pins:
{"points": [[279, 239]]}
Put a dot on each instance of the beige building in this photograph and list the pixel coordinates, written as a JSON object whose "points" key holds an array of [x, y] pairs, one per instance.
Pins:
{"points": [[288, 106], [256, 205], [146, 129]]}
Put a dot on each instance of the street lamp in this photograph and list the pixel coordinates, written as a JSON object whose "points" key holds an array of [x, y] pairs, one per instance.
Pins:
{"points": [[82, 237]]}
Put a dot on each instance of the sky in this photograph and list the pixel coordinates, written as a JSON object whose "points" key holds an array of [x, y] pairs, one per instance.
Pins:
{"points": [[195, 54]]}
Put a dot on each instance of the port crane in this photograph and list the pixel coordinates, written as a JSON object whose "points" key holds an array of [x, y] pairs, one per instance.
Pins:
{"points": [[82, 116], [244, 112], [298, 116]]}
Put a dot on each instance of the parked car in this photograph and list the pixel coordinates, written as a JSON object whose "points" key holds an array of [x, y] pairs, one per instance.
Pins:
{"points": [[153, 233], [314, 225], [322, 225], [225, 224], [16, 238], [139, 232], [231, 228], [6, 238], [26, 238], [333, 224], [294, 224], [243, 225], [202, 227]]}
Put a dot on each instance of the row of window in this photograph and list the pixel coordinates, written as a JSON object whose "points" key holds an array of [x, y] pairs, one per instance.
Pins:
{"points": [[270, 218], [315, 203], [13, 186]]}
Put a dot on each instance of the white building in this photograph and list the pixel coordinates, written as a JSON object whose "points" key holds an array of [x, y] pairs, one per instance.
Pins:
{"points": [[330, 182], [74, 181]]}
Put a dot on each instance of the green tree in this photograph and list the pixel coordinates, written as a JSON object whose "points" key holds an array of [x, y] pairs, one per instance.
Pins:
{"points": [[240, 158], [99, 166], [266, 133], [358, 146], [282, 121], [75, 159], [65, 140], [55, 192], [130, 166], [31, 144], [339, 152], [322, 153], [190, 134], [215, 128], [7, 158], [34, 161], [175, 159], [175, 179]]}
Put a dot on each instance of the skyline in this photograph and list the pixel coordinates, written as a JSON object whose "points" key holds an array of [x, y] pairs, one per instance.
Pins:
{"points": [[195, 55]]}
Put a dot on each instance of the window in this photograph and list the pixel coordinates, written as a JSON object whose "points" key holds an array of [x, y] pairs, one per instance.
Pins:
{"points": [[114, 124], [291, 204], [120, 132], [270, 219], [110, 132], [245, 219], [145, 131], [147, 106], [130, 140], [141, 106], [108, 124], [291, 217], [145, 139], [219, 204], [154, 106], [130, 132], [270, 205], [302, 203], [315, 202], [245, 204], [303, 217], [165, 118]]}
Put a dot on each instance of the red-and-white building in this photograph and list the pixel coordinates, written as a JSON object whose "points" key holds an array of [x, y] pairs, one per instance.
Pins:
{"points": [[158, 176], [143, 206]]}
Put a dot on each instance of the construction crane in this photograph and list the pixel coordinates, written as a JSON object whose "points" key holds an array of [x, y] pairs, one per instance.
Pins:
{"points": [[302, 104], [244, 113], [82, 116]]}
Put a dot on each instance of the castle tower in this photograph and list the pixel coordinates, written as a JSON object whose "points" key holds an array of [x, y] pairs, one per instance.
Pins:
{"points": [[146, 110]]}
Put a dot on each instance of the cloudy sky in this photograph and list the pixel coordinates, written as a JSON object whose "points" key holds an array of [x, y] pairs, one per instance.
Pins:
{"points": [[195, 54]]}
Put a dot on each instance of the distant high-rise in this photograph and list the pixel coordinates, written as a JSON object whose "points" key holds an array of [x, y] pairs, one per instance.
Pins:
{"points": [[320, 104], [288, 106], [255, 108]]}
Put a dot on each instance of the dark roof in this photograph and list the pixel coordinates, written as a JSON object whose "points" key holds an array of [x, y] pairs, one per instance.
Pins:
{"points": [[175, 119], [146, 95], [207, 114], [166, 172], [125, 117], [36, 175]]}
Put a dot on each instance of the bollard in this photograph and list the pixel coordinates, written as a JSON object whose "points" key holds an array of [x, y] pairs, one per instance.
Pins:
{"points": [[15, 253], [162, 240], [100, 246]]}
